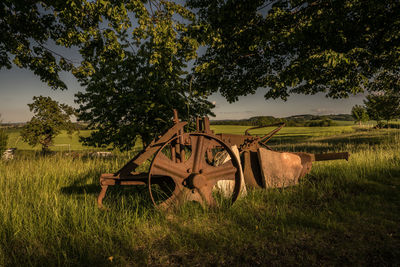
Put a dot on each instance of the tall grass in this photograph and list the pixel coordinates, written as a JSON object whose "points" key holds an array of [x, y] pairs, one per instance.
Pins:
{"points": [[342, 213]]}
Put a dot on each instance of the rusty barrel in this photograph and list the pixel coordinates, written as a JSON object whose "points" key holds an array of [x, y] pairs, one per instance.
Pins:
{"points": [[266, 168]]}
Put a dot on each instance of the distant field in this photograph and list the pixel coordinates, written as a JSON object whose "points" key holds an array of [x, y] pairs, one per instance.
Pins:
{"points": [[64, 142], [285, 131], [14, 140], [300, 134], [343, 123]]}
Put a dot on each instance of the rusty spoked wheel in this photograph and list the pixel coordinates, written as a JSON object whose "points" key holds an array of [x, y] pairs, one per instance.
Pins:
{"points": [[186, 169]]}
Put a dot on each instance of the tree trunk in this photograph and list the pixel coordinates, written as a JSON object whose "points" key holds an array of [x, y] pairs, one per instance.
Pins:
{"points": [[45, 148], [46, 143]]}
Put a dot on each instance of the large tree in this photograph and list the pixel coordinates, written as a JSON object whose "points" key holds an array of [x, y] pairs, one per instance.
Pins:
{"points": [[136, 73], [383, 105], [50, 118], [133, 66], [338, 47], [359, 114]]}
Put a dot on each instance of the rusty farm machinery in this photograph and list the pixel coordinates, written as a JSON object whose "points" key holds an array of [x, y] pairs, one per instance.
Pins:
{"points": [[211, 168]]}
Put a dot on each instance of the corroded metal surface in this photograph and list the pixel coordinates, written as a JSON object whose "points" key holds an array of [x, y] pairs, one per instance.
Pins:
{"points": [[194, 176]]}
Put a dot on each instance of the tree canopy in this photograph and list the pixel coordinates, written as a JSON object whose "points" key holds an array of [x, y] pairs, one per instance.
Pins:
{"points": [[28, 30], [50, 118], [339, 47], [132, 88], [26, 27]]}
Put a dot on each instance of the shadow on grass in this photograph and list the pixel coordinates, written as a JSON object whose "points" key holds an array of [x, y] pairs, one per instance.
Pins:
{"points": [[116, 191], [132, 196], [358, 140], [81, 189], [334, 143], [351, 221], [277, 140]]}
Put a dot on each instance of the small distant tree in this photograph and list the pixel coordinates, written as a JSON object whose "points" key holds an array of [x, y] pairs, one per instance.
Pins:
{"points": [[49, 119], [265, 120], [359, 114], [384, 105], [3, 140]]}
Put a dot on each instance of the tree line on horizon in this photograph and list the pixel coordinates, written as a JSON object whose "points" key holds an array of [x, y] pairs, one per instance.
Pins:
{"points": [[305, 120]]}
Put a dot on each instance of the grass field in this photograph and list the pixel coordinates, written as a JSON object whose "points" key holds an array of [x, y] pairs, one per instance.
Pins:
{"points": [[68, 141], [342, 213], [64, 142]]}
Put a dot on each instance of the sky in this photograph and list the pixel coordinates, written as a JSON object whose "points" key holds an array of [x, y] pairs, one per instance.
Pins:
{"points": [[19, 86]]}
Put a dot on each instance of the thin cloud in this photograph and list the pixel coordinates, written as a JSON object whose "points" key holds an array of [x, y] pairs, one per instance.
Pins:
{"points": [[322, 111], [234, 115]]}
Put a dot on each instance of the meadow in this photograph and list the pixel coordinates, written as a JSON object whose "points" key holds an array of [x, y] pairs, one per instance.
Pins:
{"points": [[342, 213], [65, 142]]}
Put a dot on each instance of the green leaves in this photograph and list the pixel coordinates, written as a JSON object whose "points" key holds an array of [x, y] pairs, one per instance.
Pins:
{"points": [[134, 94], [24, 28], [336, 47], [49, 119]]}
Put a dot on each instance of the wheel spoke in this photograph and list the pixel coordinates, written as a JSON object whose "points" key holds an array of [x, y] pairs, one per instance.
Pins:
{"points": [[163, 166], [206, 195], [197, 150], [200, 145], [225, 171], [173, 200]]}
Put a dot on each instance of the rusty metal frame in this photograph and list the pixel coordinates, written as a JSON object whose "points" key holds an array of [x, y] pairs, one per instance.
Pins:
{"points": [[198, 179]]}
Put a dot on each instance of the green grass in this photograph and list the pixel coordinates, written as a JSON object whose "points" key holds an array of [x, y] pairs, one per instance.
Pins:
{"points": [[62, 142], [342, 213], [65, 142], [306, 131], [70, 141]]}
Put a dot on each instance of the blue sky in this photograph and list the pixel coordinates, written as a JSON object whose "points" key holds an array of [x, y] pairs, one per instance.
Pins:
{"points": [[18, 86]]}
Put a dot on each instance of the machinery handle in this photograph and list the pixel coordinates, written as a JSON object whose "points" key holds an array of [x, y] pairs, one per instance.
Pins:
{"points": [[332, 156], [280, 124]]}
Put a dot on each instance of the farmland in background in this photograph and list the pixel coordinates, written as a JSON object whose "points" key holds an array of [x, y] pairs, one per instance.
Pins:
{"points": [[14, 140], [342, 213], [64, 142], [73, 143]]}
